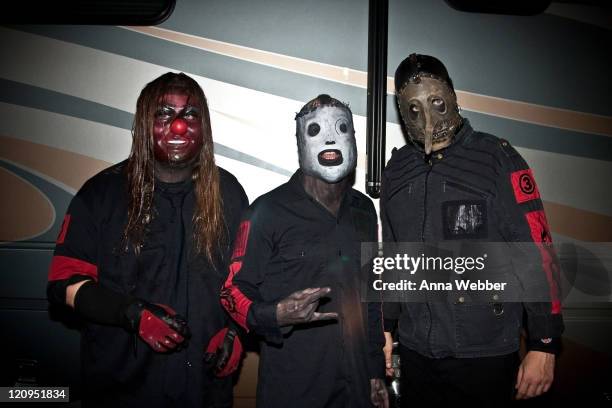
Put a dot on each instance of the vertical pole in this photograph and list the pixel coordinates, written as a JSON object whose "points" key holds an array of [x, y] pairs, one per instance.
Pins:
{"points": [[378, 25]]}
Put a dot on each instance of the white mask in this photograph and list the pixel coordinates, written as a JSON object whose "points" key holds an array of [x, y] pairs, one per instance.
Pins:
{"points": [[326, 143]]}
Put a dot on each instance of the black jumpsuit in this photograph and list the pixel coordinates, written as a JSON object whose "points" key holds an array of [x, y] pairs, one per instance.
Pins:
{"points": [[118, 368], [288, 242], [477, 189]]}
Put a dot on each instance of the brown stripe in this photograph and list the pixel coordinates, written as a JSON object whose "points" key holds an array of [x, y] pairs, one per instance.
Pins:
{"points": [[69, 168], [24, 212], [490, 105], [578, 224]]}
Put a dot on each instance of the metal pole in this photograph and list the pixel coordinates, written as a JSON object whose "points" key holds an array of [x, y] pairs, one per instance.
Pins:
{"points": [[377, 93]]}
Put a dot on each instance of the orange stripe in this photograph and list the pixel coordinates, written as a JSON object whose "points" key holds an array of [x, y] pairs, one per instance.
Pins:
{"points": [[490, 105]]}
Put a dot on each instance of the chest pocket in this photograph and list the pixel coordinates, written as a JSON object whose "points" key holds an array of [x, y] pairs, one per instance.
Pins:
{"points": [[464, 211], [464, 219], [302, 264], [455, 190]]}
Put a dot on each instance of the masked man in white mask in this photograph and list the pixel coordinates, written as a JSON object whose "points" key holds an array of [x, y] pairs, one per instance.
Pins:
{"points": [[294, 275]]}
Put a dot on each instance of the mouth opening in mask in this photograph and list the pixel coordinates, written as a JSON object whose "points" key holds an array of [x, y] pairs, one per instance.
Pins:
{"points": [[330, 157]]}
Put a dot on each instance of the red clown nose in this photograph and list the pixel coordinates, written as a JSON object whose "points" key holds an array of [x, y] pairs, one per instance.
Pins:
{"points": [[178, 126]]}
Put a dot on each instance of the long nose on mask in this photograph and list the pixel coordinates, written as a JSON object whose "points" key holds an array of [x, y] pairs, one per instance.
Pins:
{"points": [[428, 134], [178, 126]]}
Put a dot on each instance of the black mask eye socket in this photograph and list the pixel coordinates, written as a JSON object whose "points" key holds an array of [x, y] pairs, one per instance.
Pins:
{"points": [[163, 113], [439, 105], [313, 129], [413, 111], [190, 114], [341, 126]]}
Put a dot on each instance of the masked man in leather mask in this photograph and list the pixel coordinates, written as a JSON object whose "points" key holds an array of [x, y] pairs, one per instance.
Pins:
{"points": [[453, 183], [294, 276], [141, 255]]}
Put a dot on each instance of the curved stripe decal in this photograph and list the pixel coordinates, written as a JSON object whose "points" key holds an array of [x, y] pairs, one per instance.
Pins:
{"points": [[490, 105], [57, 198], [24, 213], [91, 69], [66, 169]]}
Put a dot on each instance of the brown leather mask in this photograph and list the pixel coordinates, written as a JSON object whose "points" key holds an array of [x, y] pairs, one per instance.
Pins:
{"points": [[429, 109]]}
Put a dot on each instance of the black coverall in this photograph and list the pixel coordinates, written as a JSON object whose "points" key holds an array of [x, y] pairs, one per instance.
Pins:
{"points": [[118, 368], [479, 189], [288, 242]]}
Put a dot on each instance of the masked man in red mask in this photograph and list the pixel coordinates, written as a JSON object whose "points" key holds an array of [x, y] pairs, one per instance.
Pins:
{"points": [[141, 255]]}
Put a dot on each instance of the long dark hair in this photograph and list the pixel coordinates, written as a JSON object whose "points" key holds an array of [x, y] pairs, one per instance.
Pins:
{"points": [[209, 231]]}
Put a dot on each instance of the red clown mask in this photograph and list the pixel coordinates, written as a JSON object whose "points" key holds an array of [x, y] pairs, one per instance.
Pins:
{"points": [[177, 130]]}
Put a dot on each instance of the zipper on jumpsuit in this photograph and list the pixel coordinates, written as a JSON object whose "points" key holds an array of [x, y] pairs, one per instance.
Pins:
{"points": [[430, 163]]}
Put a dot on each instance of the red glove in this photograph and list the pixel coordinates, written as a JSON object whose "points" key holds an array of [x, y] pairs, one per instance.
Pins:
{"points": [[161, 328], [223, 352]]}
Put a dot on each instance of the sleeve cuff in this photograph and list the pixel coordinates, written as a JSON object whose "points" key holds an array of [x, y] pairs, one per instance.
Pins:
{"points": [[262, 319], [389, 324], [376, 365], [544, 325], [550, 345]]}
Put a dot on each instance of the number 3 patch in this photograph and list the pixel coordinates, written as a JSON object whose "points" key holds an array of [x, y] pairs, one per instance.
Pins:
{"points": [[524, 186]]}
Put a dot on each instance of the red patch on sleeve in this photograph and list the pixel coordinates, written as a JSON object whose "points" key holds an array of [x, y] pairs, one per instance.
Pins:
{"points": [[538, 225], [63, 267], [524, 186], [241, 240], [63, 230], [540, 233]]}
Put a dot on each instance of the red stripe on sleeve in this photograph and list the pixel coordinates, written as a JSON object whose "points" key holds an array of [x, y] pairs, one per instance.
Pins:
{"points": [[524, 186], [241, 240], [233, 300], [540, 233], [63, 267], [62, 234]]}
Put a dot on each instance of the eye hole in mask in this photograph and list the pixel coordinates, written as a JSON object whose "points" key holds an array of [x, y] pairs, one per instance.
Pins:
{"points": [[439, 105], [413, 111], [341, 126], [313, 129]]}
